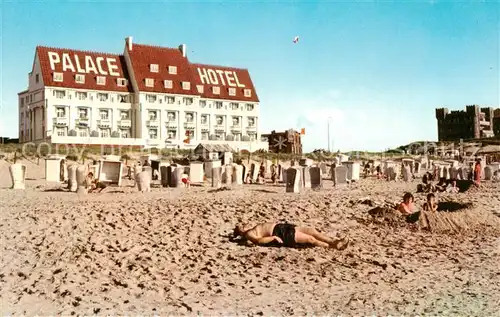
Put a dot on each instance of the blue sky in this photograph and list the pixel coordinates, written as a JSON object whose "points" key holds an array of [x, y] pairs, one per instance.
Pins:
{"points": [[378, 70]]}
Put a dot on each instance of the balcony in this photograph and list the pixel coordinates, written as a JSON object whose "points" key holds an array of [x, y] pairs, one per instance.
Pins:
{"points": [[219, 127], [104, 123], [204, 127], [189, 125], [251, 128], [61, 121], [125, 123], [171, 124], [236, 127], [152, 123], [82, 122]]}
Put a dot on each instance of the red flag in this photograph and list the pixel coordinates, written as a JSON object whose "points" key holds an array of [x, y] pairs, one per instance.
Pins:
{"points": [[303, 131]]}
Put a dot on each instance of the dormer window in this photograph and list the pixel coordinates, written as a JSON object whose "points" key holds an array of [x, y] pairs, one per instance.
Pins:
{"points": [[232, 91], [247, 93], [186, 85], [80, 79], [101, 80], [122, 82], [199, 88], [216, 90], [149, 82], [168, 84], [58, 77], [172, 70], [153, 68]]}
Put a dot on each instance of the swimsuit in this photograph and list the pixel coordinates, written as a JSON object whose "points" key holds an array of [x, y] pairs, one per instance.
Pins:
{"points": [[285, 232]]}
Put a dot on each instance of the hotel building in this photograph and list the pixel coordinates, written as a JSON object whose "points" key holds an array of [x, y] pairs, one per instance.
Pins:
{"points": [[149, 96]]}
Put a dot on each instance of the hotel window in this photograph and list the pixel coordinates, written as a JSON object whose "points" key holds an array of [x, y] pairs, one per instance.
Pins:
{"points": [[152, 115], [204, 135], [153, 68], [61, 131], [190, 133], [124, 115], [204, 119], [232, 91], [80, 79], [189, 117], [252, 136], [203, 103], [83, 113], [123, 98], [186, 85], [149, 82], [171, 116], [237, 136], [57, 77], [37, 78], [250, 107], [219, 120], [104, 114], [199, 88], [218, 105], [236, 121], [172, 134], [188, 101], [247, 93], [60, 112], [125, 133], [168, 84], [82, 132], [220, 135], [122, 82], [172, 70], [104, 133], [102, 97], [170, 100], [216, 90], [81, 95], [60, 94], [153, 133], [151, 98], [251, 122], [235, 106], [101, 80]]}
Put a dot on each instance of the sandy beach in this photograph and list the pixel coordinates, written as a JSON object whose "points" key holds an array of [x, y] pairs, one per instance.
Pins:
{"points": [[169, 252]]}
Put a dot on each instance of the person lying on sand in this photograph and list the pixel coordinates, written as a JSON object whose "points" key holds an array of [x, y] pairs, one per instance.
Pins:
{"points": [[430, 204], [287, 235]]}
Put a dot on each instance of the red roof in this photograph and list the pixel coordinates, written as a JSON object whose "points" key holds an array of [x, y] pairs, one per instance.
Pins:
{"points": [[86, 63], [141, 58], [227, 78], [233, 83]]}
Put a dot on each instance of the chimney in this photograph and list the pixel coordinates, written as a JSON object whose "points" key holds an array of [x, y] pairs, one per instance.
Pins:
{"points": [[182, 48], [128, 43]]}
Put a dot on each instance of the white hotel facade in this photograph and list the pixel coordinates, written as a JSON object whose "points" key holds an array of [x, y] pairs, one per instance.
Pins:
{"points": [[149, 96]]}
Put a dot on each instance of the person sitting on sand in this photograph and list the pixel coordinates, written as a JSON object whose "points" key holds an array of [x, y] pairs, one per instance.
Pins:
{"points": [[93, 185], [452, 187], [430, 204], [248, 179], [406, 206], [441, 186], [288, 235]]}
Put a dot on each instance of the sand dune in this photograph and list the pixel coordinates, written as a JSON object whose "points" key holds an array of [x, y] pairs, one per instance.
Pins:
{"points": [[169, 252]]}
